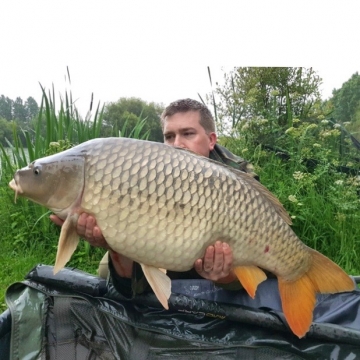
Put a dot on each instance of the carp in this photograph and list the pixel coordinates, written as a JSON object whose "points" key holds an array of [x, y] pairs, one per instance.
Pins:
{"points": [[162, 207]]}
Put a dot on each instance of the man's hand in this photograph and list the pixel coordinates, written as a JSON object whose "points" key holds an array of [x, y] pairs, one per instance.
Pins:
{"points": [[87, 229], [216, 264]]}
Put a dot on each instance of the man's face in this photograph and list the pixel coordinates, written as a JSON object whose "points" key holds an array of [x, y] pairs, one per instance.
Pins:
{"points": [[184, 130]]}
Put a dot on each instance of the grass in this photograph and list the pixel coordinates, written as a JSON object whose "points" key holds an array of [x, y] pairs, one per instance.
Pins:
{"points": [[321, 196], [29, 237]]}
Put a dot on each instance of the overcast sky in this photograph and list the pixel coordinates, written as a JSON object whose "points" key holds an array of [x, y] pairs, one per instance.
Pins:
{"points": [[159, 50]]}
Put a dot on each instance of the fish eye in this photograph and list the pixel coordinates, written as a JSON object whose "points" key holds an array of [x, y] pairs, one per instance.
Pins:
{"points": [[36, 170]]}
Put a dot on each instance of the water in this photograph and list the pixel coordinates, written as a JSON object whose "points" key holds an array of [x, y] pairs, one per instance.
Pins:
{"points": [[10, 156]]}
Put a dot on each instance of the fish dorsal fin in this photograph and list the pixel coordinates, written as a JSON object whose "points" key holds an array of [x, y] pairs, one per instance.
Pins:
{"points": [[279, 208], [159, 282], [68, 242], [267, 194]]}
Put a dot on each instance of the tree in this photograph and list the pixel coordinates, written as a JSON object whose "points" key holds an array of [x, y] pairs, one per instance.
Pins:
{"points": [[346, 100], [6, 131], [11, 110], [19, 111], [280, 92], [32, 108], [130, 110], [6, 106]]}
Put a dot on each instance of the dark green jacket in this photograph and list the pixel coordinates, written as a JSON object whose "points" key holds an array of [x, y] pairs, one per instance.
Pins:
{"points": [[138, 284], [223, 155]]}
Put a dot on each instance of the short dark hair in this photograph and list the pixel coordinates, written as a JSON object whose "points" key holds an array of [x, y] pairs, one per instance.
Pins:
{"points": [[185, 105]]}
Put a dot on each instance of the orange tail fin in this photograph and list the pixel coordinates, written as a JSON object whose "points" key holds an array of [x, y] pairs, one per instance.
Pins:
{"points": [[298, 297]]}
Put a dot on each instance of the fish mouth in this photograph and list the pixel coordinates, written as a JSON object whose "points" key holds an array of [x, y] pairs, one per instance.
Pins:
{"points": [[16, 187]]}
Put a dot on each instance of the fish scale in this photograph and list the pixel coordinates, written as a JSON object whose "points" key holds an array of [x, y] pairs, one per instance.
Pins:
{"points": [[163, 206], [182, 208]]}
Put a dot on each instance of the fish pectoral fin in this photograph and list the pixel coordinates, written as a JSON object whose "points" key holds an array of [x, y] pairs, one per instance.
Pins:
{"points": [[68, 242], [250, 277], [298, 297], [159, 282]]}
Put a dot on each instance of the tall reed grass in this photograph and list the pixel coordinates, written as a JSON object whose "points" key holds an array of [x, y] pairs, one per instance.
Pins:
{"points": [[28, 236]]}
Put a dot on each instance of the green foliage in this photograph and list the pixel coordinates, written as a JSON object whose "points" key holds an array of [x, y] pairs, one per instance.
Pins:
{"points": [[6, 131], [6, 105], [317, 184], [19, 111], [66, 123], [53, 131], [14, 113], [346, 103], [29, 237], [283, 93], [321, 140], [274, 118], [32, 108], [127, 112]]}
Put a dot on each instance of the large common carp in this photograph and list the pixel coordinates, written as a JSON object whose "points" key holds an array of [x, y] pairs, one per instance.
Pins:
{"points": [[162, 206]]}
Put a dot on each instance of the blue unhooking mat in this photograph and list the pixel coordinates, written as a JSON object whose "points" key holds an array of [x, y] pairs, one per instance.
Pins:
{"points": [[74, 315]]}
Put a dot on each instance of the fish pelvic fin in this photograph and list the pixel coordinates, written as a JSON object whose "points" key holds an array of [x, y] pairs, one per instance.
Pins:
{"points": [[68, 242], [299, 297], [159, 282], [250, 277]]}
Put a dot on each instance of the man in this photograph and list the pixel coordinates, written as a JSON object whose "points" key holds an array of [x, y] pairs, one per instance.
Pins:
{"points": [[186, 124]]}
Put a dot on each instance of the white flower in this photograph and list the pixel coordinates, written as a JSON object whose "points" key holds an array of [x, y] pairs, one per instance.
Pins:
{"points": [[325, 122], [293, 198], [325, 134], [298, 175], [311, 126], [336, 126], [339, 182], [316, 145]]}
